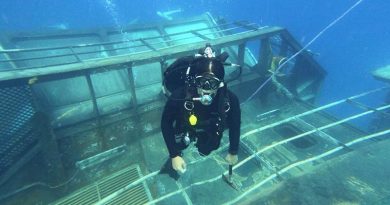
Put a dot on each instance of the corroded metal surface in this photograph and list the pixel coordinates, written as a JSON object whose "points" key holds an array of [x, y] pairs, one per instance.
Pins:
{"points": [[103, 188]]}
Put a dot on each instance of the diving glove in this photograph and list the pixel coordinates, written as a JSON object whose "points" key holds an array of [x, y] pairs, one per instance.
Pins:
{"points": [[179, 164]]}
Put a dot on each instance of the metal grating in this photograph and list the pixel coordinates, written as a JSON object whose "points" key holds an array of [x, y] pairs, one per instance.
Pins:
{"points": [[16, 131], [87, 195], [112, 185], [103, 188], [135, 195]]}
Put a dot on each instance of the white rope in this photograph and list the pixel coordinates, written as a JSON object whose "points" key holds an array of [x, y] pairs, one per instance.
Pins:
{"points": [[304, 48]]}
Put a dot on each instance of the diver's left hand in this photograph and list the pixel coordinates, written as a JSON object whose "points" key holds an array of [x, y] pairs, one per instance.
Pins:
{"points": [[231, 159]]}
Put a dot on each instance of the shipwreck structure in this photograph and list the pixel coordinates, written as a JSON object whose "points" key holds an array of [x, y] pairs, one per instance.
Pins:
{"points": [[80, 115]]}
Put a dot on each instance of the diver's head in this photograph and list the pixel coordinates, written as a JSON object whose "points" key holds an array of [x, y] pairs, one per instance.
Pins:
{"points": [[209, 74]]}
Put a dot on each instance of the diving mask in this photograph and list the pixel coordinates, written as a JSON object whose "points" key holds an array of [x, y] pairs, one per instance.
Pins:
{"points": [[207, 82], [207, 87]]}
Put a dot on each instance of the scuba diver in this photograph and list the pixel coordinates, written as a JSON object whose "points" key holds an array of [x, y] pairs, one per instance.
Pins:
{"points": [[199, 107]]}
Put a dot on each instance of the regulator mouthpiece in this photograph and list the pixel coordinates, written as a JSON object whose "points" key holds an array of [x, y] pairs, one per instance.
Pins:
{"points": [[205, 99]]}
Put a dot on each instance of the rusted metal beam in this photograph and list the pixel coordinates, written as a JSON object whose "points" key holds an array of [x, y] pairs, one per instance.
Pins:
{"points": [[144, 42], [100, 132], [265, 56], [132, 85], [8, 59], [241, 54], [290, 40], [196, 33], [283, 48], [246, 25]]}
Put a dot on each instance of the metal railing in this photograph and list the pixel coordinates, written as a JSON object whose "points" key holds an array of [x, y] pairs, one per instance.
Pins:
{"points": [[70, 51]]}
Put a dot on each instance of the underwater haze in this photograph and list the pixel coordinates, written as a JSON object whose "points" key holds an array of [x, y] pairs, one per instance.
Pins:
{"points": [[349, 51], [81, 104]]}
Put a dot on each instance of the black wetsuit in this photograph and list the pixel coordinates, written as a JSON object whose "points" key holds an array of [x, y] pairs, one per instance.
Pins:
{"points": [[209, 127]]}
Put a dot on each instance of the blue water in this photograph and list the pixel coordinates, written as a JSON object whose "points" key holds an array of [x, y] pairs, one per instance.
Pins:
{"points": [[349, 51]]}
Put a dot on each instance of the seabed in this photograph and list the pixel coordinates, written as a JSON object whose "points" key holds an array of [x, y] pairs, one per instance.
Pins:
{"points": [[82, 116]]}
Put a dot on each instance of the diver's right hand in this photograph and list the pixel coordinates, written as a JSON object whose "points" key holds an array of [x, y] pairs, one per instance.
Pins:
{"points": [[179, 164]]}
